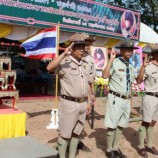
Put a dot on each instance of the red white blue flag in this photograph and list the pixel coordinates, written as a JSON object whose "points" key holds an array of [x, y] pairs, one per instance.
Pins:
{"points": [[42, 45]]}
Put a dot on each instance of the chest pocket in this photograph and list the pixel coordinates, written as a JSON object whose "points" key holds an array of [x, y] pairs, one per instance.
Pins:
{"points": [[132, 75], [121, 74], [154, 78], [74, 74], [86, 68]]}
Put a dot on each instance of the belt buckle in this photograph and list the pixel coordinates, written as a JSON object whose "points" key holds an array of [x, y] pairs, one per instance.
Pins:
{"points": [[128, 97], [81, 100], [121, 96]]}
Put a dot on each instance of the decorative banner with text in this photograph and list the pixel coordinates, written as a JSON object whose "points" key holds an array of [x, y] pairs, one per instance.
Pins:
{"points": [[73, 15]]}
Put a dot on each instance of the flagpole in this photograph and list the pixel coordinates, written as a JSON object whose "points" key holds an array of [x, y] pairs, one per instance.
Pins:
{"points": [[57, 77]]}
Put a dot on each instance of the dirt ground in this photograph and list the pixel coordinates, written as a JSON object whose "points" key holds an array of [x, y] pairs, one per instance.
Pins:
{"points": [[39, 114]]}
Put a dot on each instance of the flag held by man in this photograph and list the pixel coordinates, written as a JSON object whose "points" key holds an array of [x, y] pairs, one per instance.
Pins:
{"points": [[42, 45]]}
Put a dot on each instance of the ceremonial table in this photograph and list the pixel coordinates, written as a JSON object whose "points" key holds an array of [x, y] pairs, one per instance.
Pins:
{"points": [[12, 122]]}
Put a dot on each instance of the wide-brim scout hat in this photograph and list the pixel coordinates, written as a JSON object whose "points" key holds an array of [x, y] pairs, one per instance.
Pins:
{"points": [[90, 40], [81, 42], [125, 45], [148, 49], [154, 49], [80, 39]]}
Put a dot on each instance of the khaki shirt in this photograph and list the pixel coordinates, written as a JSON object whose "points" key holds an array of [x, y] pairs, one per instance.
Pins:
{"points": [[151, 78], [117, 80], [90, 61], [73, 77]]}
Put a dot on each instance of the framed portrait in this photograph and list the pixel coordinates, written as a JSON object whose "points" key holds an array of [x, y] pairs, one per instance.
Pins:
{"points": [[128, 24], [136, 60], [100, 55]]}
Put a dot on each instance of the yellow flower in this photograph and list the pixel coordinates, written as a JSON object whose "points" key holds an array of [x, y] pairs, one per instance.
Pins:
{"points": [[101, 81]]}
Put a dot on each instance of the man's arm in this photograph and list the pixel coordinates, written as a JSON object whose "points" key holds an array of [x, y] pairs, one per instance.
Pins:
{"points": [[140, 76], [52, 65], [106, 71], [92, 92]]}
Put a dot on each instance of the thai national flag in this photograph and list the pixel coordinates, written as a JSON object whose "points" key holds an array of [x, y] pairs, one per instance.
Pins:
{"points": [[42, 45]]}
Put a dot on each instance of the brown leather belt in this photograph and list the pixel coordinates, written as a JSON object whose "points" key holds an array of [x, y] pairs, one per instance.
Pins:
{"points": [[119, 95], [152, 94], [79, 100]]}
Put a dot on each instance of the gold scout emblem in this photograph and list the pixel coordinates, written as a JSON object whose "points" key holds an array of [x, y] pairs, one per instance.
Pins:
{"points": [[84, 66]]}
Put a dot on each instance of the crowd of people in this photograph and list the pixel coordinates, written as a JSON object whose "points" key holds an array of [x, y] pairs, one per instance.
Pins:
{"points": [[75, 67]]}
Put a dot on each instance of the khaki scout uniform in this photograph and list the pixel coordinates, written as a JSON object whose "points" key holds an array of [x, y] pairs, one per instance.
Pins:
{"points": [[74, 84], [118, 109], [150, 103]]}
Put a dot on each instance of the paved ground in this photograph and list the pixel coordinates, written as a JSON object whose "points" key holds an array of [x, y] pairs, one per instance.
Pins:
{"points": [[38, 117]]}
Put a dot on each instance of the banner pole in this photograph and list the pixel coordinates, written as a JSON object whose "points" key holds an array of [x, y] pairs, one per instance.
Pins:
{"points": [[57, 77]]}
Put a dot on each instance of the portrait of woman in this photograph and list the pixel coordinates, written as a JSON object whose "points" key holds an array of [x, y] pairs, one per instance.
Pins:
{"points": [[128, 24], [100, 58]]}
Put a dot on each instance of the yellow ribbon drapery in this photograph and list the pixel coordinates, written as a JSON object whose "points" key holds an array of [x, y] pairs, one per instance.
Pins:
{"points": [[111, 42], [5, 30], [12, 125]]}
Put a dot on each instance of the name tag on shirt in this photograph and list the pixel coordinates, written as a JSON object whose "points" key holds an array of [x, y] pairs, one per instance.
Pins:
{"points": [[73, 69], [122, 70]]}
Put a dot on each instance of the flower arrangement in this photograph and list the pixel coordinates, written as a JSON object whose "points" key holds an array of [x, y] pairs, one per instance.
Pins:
{"points": [[100, 84], [136, 90]]}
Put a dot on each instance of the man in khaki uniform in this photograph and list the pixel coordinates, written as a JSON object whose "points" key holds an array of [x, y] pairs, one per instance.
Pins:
{"points": [[149, 73], [74, 75], [121, 76]]}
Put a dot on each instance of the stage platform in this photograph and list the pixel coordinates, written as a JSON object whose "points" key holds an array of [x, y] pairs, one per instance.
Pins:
{"points": [[25, 147], [12, 122]]}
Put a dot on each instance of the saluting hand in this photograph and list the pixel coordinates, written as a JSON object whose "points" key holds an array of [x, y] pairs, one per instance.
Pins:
{"points": [[113, 55], [146, 60], [68, 50]]}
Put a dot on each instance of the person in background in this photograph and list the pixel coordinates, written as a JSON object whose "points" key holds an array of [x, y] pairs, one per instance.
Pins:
{"points": [[75, 104], [121, 75], [90, 61], [149, 74], [88, 57]]}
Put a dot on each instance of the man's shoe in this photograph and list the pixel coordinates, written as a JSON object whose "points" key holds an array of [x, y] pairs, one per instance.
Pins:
{"points": [[118, 153], [152, 150], [110, 154], [81, 146], [143, 152]]}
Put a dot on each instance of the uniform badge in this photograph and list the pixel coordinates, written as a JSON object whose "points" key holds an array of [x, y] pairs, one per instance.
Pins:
{"points": [[154, 72], [122, 70], [155, 80], [131, 70], [84, 66], [73, 69]]}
